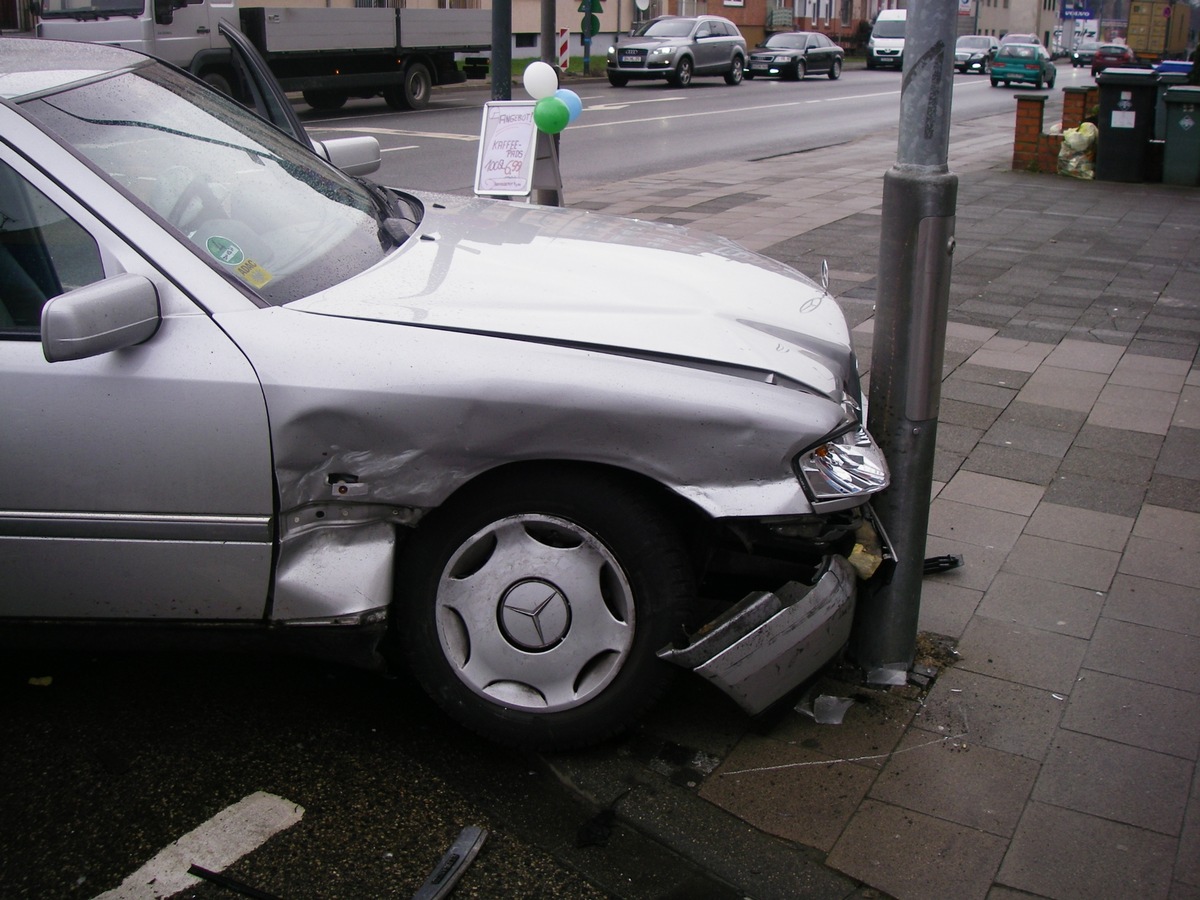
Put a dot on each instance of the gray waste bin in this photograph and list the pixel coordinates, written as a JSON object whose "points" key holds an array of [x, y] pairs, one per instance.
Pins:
{"points": [[1181, 155], [1166, 81], [1125, 122]]}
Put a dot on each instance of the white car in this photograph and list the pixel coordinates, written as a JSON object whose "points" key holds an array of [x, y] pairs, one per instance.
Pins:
{"points": [[543, 457]]}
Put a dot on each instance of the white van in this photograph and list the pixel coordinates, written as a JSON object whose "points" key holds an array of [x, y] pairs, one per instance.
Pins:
{"points": [[886, 46]]}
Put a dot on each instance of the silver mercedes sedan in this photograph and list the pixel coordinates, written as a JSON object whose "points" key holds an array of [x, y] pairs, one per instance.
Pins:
{"points": [[542, 458]]}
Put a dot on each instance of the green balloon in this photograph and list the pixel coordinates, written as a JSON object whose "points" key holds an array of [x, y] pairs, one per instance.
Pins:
{"points": [[551, 115]]}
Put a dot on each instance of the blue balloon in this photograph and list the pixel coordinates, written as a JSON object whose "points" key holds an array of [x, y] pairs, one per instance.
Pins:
{"points": [[574, 104]]}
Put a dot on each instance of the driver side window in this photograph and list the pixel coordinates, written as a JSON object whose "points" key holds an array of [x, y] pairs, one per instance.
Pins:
{"points": [[43, 253]]}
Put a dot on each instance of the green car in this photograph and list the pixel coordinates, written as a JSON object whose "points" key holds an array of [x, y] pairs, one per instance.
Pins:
{"points": [[1029, 63]]}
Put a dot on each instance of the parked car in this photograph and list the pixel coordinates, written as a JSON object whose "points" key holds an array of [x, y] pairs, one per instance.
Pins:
{"points": [[677, 48], [1108, 56], [795, 54], [253, 401], [1020, 38], [1083, 54], [1023, 63], [974, 53]]}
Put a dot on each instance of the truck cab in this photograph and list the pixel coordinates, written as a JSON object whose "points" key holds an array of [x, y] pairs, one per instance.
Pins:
{"points": [[177, 31]]}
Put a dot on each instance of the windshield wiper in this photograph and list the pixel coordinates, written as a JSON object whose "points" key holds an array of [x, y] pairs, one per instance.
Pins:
{"points": [[396, 218]]}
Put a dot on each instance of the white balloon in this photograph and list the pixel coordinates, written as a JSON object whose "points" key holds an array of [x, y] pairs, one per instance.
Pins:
{"points": [[540, 80]]}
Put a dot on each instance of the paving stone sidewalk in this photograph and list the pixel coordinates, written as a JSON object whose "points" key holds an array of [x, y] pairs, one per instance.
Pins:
{"points": [[1056, 753]]}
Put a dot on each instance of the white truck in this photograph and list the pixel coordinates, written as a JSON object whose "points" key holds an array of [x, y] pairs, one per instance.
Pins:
{"points": [[328, 53]]}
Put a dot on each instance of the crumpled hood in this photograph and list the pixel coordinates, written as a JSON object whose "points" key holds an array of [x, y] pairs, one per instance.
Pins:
{"points": [[605, 283]]}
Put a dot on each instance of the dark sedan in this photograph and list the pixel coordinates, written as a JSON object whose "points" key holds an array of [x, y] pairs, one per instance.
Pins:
{"points": [[795, 54], [1110, 56], [1083, 54]]}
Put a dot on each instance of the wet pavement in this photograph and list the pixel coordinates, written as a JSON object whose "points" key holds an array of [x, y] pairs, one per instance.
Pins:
{"points": [[1054, 753]]}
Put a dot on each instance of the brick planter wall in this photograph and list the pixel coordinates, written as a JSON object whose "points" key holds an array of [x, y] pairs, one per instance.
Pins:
{"points": [[1033, 149]]}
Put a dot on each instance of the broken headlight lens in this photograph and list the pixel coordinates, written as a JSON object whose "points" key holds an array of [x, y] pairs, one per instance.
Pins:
{"points": [[844, 468]]}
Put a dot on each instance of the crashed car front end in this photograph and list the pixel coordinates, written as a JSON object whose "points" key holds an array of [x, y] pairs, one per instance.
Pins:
{"points": [[747, 410]]}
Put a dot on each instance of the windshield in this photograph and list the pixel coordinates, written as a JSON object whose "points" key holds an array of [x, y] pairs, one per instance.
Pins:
{"points": [[260, 207], [888, 28], [90, 9], [974, 43], [666, 28], [785, 42]]}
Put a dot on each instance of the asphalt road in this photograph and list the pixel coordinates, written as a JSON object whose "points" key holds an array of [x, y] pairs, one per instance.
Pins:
{"points": [[650, 127], [109, 759]]}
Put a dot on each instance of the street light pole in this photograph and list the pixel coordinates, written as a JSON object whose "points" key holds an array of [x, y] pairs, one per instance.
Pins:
{"points": [[913, 295]]}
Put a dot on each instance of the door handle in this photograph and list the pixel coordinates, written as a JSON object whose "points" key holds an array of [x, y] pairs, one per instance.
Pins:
{"points": [[203, 29]]}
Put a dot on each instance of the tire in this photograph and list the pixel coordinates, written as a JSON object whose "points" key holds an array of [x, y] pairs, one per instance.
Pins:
{"points": [[1053, 78], [325, 101], [219, 81], [835, 71], [737, 71], [748, 75], [617, 80], [413, 92], [870, 63], [682, 76], [995, 83], [799, 72], [531, 609]]}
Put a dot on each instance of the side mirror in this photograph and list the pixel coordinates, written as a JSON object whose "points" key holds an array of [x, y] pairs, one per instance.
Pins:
{"points": [[99, 318], [353, 155], [164, 12]]}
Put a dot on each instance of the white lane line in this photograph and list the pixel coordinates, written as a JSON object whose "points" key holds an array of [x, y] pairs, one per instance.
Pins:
{"points": [[396, 132], [394, 149], [215, 845]]}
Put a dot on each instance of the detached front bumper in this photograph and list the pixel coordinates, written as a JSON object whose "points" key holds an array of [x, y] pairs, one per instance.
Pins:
{"points": [[770, 643]]}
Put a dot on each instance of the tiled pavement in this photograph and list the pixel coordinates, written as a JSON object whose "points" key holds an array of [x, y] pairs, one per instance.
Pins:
{"points": [[1056, 754]]}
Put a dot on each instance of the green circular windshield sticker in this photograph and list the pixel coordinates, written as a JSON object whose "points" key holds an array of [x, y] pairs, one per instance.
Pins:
{"points": [[224, 250]]}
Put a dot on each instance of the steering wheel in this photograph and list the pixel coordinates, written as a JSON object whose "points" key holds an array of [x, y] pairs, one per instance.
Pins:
{"points": [[210, 206]]}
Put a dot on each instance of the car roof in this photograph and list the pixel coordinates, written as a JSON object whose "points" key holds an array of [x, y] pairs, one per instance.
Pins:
{"points": [[35, 66]]}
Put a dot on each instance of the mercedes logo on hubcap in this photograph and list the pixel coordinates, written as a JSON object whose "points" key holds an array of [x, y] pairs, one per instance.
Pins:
{"points": [[534, 615]]}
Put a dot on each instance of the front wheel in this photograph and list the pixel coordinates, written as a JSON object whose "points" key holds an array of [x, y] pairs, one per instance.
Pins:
{"points": [[737, 71], [531, 609], [617, 80], [682, 76], [835, 71]]}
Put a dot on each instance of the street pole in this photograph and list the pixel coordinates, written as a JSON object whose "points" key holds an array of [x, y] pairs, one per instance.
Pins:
{"points": [[912, 303], [502, 49]]}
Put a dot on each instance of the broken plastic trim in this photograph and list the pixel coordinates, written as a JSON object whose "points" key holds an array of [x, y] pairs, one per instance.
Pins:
{"points": [[770, 643]]}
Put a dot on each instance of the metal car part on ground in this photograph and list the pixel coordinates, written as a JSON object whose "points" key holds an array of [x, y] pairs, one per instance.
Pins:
{"points": [[270, 405]]}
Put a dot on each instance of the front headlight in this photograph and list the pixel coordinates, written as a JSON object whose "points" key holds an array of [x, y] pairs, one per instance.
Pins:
{"points": [[841, 471], [662, 51]]}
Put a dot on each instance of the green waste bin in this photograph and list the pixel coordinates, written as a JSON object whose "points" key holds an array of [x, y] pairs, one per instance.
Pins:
{"points": [[1125, 123], [1166, 81], [1181, 155]]}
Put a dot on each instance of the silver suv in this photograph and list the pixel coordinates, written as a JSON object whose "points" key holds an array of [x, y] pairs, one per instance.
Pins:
{"points": [[678, 47]]}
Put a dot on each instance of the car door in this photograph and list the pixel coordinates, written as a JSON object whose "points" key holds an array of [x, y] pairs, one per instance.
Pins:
{"points": [[818, 54], [707, 44], [139, 480]]}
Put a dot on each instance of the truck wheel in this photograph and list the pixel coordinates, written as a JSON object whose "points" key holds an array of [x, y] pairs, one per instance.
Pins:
{"points": [[531, 609], [325, 100], [217, 80], [415, 90]]}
